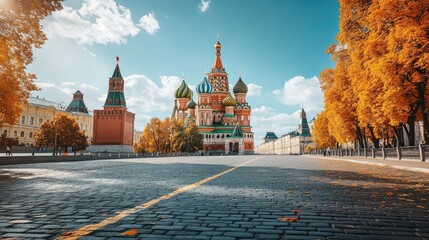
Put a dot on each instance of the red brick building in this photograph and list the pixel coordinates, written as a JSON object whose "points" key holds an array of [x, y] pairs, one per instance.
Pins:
{"points": [[113, 126]]}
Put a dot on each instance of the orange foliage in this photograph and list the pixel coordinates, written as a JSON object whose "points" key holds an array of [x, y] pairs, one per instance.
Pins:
{"points": [[20, 33], [380, 79]]}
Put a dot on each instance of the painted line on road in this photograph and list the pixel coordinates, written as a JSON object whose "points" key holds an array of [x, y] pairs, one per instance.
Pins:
{"points": [[413, 169], [88, 229]]}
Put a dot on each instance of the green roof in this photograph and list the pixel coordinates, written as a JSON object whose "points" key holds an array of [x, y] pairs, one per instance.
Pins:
{"points": [[237, 133], [117, 72], [220, 131], [115, 99], [77, 106], [270, 135]]}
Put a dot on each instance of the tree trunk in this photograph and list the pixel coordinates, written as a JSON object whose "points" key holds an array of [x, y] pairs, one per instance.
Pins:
{"points": [[411, 131], [374, 140], [399, 136], [421, 92], [360, 137]]}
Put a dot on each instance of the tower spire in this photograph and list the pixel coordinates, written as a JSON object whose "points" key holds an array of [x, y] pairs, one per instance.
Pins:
{"points": [[218, 62]]}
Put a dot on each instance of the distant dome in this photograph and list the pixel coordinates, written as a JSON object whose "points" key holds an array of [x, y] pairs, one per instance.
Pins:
{"points": [[204, 86], [240, 87], [229, 100], [183, 91], [191, 104]]}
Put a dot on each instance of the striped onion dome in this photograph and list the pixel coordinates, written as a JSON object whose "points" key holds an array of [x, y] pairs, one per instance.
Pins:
{"points": [[240, 87], [229, 100], [183, 91], [204, 86], [191, 104]]}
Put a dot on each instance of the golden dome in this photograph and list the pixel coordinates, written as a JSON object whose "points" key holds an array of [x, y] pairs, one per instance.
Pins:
{"points": [[229, 100]]}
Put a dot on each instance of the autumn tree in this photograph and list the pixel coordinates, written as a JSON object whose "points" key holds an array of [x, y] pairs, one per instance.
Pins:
{"points": [[169, 135], [379, 83], [321, 135], [193, 139], [62, 131], [20, 32]]}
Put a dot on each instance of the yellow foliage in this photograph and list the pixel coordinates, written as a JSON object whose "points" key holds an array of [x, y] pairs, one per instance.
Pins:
{"points": [[20, 33]]}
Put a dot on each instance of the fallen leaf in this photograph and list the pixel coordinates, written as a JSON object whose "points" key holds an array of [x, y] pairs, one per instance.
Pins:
{"points": [[130, 232], [420, 206], [288, 219], [296, 211]]}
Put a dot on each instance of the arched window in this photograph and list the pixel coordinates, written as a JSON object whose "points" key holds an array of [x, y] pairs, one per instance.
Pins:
{"points": [[22, 134], [5, 132], [15, 134], [30, 134]]}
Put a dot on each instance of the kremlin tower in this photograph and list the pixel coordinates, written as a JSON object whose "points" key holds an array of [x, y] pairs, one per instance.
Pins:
{"points": [[113, 126], [223, 120]]}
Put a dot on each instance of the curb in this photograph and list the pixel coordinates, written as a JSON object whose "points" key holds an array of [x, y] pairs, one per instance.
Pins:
{"points": [[413, 169]]}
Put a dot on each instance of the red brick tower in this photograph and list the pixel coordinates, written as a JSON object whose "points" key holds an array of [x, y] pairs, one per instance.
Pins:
{"points": [[218, 78], [113, 126]]}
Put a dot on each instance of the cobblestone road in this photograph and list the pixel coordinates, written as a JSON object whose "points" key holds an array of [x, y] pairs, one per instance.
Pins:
{"points": [[273, 197]]}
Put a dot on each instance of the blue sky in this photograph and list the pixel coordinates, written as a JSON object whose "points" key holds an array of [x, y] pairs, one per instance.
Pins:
{"points": [[277, 45]]}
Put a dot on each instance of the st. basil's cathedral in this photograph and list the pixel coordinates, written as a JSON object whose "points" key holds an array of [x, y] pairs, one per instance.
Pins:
{"points": [[223, 120]]}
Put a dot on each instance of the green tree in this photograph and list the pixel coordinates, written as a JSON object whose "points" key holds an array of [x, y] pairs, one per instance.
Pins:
{"points": [[62, 131], [20, 33]]}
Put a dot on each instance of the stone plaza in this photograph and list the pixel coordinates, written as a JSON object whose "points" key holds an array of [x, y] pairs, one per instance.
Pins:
{"points": [[213, 197]]}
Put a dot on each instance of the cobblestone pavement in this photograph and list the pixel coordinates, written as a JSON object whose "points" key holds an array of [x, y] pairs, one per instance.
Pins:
{"points": [[273, 197]]}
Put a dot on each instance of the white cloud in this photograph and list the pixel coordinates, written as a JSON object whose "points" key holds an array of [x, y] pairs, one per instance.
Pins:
{"points": [[64, 93], [254, 90], [97, 21], [301, 91], [145, 95], [149, 23], [68, 83], [263, 110], [266, 119], [204, 5]]}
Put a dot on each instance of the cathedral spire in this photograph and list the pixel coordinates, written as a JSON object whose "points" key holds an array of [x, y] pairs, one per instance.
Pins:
{"points": [[218, 62]]}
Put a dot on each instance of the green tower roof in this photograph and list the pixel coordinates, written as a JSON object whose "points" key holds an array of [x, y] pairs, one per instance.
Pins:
{"points": [[115, 99], [238, 132], [77, 104], [117, 72]]}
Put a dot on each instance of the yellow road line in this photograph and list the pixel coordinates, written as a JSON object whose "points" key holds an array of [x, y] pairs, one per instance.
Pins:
{"points": [[88, 229]]}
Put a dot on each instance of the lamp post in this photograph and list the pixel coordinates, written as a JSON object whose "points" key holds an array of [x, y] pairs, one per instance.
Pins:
{"points": [[60, 107]]}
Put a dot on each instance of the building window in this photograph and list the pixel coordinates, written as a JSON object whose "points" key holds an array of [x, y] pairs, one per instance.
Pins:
{"points": [[40, 121], [23, 120], [31, 135], [22, 133], [15, 134], [5, 132], [32, 121]]}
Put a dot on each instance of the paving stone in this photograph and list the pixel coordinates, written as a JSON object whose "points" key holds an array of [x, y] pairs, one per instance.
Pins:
{"points": [[239, 234]]}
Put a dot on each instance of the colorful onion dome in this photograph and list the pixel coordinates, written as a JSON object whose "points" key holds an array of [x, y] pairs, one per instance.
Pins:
{"points": [[191, 104], [183, 91], [204, 86], [240, 87], [229, 100]]}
